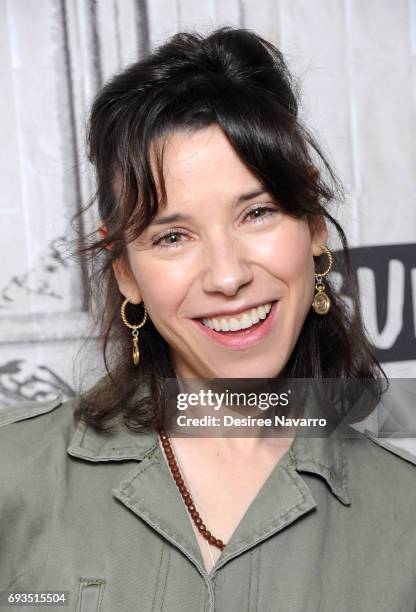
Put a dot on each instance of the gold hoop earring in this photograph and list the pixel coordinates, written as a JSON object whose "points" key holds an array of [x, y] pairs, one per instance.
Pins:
{"points": [[135, 328], [321, 302]]}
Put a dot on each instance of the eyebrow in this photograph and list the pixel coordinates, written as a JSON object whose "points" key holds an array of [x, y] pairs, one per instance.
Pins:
{"points": [[177, 217]]}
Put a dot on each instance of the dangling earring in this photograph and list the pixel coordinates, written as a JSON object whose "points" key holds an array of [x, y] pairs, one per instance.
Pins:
{"points": [[321, 302], [135, 328]]}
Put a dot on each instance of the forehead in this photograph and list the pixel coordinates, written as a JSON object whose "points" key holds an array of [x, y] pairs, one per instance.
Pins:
{"points": [[200, 162]]}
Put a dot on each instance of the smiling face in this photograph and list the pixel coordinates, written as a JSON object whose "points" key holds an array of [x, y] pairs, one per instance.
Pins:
{"points": [[226, 275]]}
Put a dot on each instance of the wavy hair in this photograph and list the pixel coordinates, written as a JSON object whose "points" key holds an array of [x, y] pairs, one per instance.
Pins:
{"points": [[237, 80]]}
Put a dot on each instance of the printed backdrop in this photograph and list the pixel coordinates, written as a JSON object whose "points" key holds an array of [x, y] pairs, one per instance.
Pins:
{"points": [[356, 62]]}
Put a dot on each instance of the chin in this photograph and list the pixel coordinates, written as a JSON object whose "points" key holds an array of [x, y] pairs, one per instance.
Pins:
{"points": [[253, 370]]}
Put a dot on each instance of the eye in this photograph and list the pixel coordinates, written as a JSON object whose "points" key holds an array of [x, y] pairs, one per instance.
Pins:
{"points": [[260, 212], [169, 239]]}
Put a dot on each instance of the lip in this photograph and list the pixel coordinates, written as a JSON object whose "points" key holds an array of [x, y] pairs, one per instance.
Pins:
{"points": [[244, 338], [234, 312]]}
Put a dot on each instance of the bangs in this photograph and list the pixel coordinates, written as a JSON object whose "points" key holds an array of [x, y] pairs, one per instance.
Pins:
{"points": [[240, 82], [265, 135]]}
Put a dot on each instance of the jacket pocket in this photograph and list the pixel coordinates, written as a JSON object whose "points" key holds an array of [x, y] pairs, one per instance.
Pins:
{"points": [[90, 594]]}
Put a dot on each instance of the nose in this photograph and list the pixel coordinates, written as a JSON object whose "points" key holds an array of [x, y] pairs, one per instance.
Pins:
{"points": [[226, 268]]}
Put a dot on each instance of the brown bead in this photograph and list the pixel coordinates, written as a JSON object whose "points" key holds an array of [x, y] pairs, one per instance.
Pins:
{"points": [[186, 496]]}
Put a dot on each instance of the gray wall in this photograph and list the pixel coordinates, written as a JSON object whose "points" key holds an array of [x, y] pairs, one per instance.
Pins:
{"points": [[357, 64]]}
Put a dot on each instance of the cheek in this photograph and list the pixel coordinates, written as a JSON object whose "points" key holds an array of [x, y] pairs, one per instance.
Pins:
{"points": [[290, 251], [296, 270], [162, 285]]}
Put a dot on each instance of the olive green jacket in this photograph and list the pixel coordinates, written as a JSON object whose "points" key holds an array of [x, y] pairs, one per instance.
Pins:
{"points": [[333, 529]]}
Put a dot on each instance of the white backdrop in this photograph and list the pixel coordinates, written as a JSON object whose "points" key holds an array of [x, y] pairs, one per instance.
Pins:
{"points": [[356, 62]]}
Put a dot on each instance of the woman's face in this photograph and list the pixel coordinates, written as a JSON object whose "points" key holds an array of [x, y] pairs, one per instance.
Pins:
{"points": [[226, 276]]}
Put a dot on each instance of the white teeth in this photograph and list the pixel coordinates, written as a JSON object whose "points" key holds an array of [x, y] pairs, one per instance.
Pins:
{"points": [[254, 315], [262, 312], [244, 321], [225, 326], [234, 324]]}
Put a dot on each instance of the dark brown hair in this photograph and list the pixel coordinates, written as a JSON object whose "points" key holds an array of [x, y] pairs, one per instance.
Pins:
{"points": [[235, 79]]}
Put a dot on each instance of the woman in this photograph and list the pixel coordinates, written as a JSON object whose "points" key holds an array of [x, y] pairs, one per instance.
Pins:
{"points": [[215, 266]]}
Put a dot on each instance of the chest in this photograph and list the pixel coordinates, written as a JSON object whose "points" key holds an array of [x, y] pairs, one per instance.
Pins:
{"points": [[223, 488], [122, 541]]}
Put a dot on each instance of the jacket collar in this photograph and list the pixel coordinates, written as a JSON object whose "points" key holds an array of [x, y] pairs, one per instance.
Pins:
{"points": [[284, 497], [121, 445], [325, 457]]}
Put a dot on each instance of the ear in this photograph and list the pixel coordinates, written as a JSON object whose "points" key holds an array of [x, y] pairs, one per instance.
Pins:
{"points": [[319, 234], [317, 224], [103, 231], [126, 281]]}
